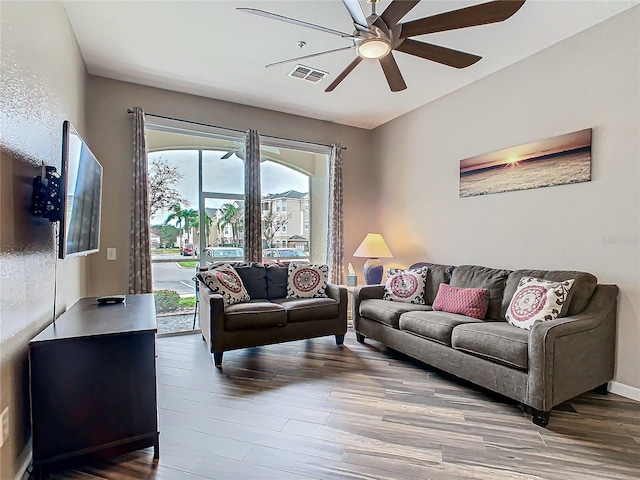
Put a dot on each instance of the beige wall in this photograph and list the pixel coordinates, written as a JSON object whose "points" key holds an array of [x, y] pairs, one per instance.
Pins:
{"points": [[590, 80], [42, 83], [110, 129]]}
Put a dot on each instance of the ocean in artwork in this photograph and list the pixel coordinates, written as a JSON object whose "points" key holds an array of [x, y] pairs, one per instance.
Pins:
{"points": [[557, 161]]}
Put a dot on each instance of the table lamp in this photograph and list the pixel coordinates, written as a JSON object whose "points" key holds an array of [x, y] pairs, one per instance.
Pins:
{"points": [[374, 248]]}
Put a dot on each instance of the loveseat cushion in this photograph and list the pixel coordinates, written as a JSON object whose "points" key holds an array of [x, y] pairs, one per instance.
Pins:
{"points": [[254, 314], [254, 277], [498, 342], [436, 326], [493, 279], [308, 309], [580, 293], [277, 275], [387, 312]]}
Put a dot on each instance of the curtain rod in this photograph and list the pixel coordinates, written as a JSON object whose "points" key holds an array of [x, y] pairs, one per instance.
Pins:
{"points": [[130, 111]]}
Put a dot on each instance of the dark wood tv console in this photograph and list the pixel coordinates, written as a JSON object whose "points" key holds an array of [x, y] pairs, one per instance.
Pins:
{"points": [[93, 383]]}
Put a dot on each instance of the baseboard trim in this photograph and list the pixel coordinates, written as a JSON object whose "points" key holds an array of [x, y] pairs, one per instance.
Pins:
{"points": [[624, 390], [22, 471]]}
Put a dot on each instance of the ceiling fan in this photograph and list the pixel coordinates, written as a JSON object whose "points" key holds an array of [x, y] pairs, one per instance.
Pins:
{"points": [[376, 36]]}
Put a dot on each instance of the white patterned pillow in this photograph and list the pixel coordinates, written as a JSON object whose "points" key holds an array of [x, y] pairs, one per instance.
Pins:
{"points": [[307, 281], [536, 301], [406, 285], [225, 281]]}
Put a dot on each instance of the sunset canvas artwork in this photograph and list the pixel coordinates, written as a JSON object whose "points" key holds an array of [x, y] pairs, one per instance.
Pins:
{"points": [[554, 161]]}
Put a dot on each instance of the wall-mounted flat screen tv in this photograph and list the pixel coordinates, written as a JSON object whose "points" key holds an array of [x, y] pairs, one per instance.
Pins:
{"points": [[81, 193]]}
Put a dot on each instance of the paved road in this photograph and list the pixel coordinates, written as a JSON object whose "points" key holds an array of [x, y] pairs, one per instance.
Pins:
{"points": [[170, 276]]}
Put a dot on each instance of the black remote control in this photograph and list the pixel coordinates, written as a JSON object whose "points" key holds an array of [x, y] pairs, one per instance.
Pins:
{"points": [[111, 299]]}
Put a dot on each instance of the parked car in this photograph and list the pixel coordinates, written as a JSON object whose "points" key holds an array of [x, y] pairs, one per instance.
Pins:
{"points": [[188, 250], [224, 253], [277, 255]]}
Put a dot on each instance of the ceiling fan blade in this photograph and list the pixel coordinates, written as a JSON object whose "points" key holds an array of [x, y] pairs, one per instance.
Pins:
{"points": [[275, 16], [309, 56], [355, 10], [398, 9], [491, 12], [392, 72], [227, 155], [344, 73], [436, 53]]}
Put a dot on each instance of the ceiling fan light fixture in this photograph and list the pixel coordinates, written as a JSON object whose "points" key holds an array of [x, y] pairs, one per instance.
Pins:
{"points": [[373, 48]]}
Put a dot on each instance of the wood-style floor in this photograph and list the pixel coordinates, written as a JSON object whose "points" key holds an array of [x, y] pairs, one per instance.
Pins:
{"points": [[313, 410]]}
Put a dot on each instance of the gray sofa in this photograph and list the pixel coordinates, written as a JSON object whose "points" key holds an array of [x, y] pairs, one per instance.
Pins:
{"points": [[269, 317], [541, 368]]}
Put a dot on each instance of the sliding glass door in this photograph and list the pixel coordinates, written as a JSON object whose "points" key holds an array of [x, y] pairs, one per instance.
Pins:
{"points": [[198, 209]]}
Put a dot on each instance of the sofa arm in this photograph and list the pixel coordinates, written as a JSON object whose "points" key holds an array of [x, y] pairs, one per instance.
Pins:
{"points": [[572, 355], [363, 293], [211, 318], [339, 294]]}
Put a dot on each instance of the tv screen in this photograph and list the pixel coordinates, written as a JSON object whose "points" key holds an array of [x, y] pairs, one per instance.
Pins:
{"points": [[81, 193]]}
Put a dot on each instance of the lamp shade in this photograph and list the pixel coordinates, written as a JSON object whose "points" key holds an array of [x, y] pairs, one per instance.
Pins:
{"points": [[373, 246]]}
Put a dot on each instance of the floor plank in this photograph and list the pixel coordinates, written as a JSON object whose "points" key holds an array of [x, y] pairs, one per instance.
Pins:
{"points": [[312, 410]]}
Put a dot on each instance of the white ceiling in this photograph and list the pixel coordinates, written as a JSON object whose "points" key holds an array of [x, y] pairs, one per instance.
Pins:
{"points": [[208, 48]]}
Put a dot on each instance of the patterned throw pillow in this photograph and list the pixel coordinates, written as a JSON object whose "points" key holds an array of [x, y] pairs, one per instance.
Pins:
{"points": [[307, 281], [472, 302], [536, 301], [225, 281], [406, 285]]}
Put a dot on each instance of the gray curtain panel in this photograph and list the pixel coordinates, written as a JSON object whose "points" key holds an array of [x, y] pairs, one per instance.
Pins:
{"points": [[140, 254], [335, 239], [252, 199]]}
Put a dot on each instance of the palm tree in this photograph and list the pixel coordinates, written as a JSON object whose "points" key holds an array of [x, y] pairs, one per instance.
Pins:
{"points": [[234, 216], [176, 216], [207, 225], [190, 218]]}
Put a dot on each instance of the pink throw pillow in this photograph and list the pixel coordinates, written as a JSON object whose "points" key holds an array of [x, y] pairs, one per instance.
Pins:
{"points": [[472, 302]]}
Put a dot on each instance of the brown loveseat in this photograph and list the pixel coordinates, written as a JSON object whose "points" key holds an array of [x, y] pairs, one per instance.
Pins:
{"points": [[269, 317], [553, 362]]}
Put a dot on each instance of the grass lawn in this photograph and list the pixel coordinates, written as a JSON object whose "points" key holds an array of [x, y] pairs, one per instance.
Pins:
{"points": [[188, 264], [187, 302], [164, 251]]}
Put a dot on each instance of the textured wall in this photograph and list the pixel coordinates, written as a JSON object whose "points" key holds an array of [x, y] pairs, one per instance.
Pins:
{"points": [[589, 80], [110, 129], [43, 83]]}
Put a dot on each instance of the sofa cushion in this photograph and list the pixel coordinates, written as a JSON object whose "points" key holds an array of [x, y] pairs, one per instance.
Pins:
{"points": [[580, 293], [471, 302], [493, 279], [225, 281], [498, 342], [437, 274], [436, 326], [276, 280], [307, 309], [307, 281], [387, 312], [254, 314], [405, 285], [254, 277], [536, 301]]}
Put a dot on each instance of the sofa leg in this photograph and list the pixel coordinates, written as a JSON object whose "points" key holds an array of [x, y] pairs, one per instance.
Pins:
{"points": [[602, 389], [217, 359], [360, 337], [539, 417], [339, 339]]}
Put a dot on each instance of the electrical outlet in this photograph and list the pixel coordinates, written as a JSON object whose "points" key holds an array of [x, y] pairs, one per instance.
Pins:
{"points": [[111, 253], [5, 427]]}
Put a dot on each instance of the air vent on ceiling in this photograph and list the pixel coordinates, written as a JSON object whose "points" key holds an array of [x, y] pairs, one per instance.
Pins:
{"points": [[307, 73]]}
